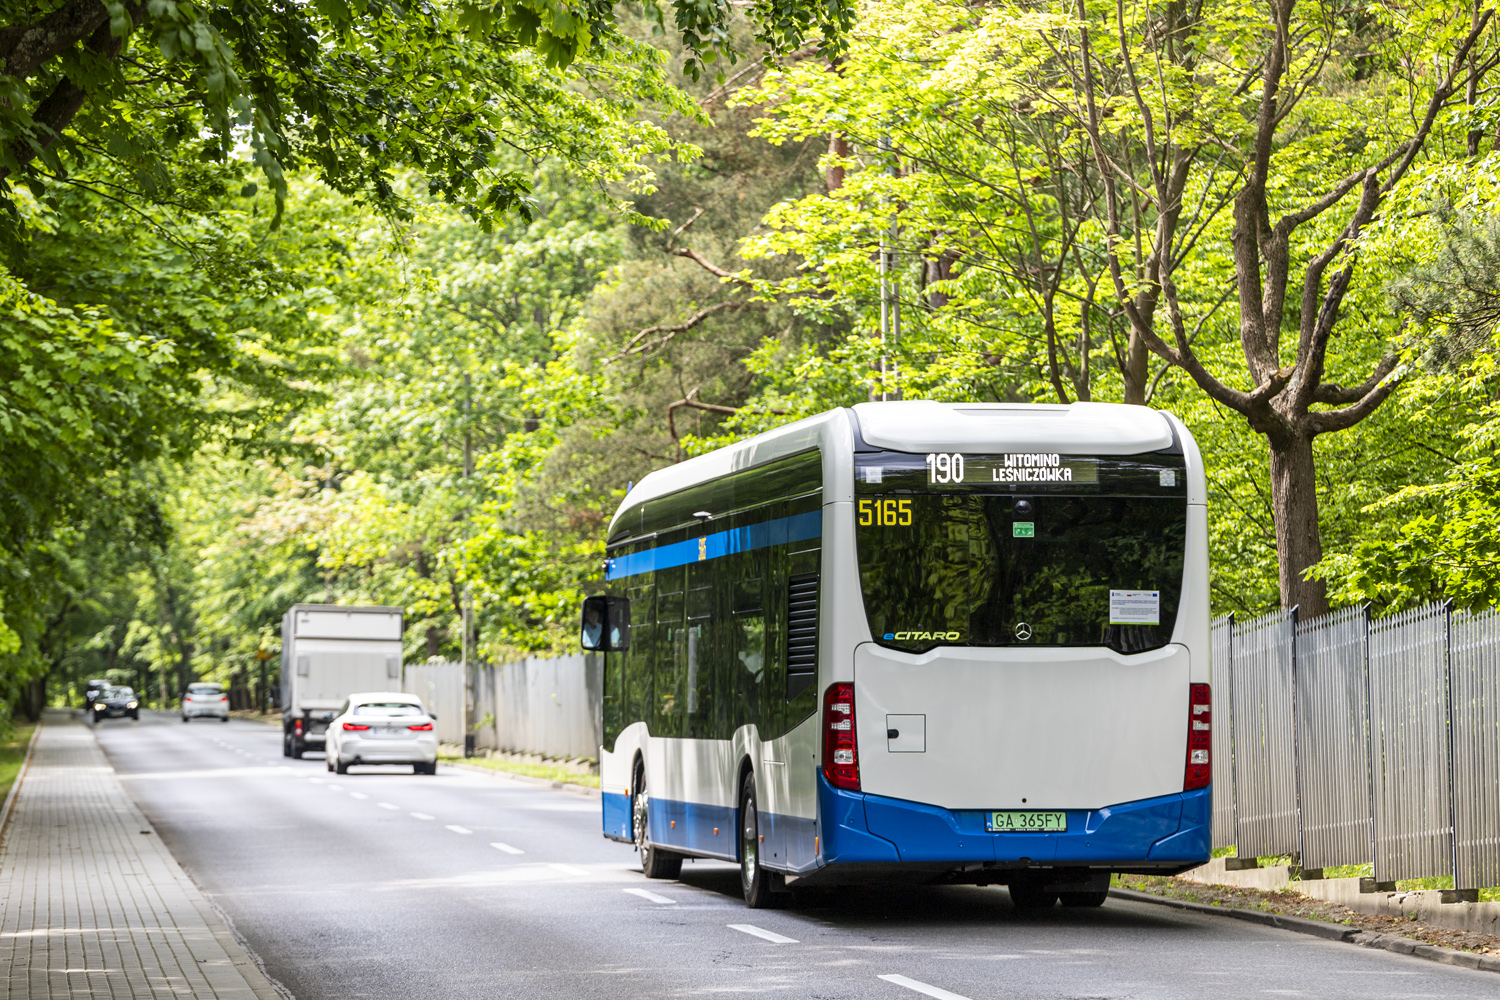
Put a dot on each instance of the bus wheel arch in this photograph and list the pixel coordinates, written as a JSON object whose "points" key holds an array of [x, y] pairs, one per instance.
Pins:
{"points": [[655, 862], [757, 882]]}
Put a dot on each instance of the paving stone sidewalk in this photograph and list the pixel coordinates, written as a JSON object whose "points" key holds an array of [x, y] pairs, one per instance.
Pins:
{"points": [[91, 902]]}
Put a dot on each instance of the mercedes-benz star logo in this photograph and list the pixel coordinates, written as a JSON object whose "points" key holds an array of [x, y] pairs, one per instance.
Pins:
{"points": [[1023, 631]]}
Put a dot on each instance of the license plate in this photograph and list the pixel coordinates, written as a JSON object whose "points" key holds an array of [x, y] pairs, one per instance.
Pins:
{"points": [[1012, 821]]}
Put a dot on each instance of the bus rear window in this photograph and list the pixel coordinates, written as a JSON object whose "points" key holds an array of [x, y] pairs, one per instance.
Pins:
{"points": [[1044, 567]]}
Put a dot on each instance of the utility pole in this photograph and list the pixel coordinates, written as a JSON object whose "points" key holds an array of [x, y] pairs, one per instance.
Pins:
{"points": [[890, 299], [471, 694], [261, 656]]}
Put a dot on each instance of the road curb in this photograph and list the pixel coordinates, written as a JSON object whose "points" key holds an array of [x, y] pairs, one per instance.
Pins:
{"points": [[525, 779], [1329, 932], [15, 786]]}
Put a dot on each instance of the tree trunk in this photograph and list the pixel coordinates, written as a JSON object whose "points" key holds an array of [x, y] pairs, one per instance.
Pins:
{"points": [[34, 698], [1294, 503], [184, 667], [1136, 372], [837, 146]]}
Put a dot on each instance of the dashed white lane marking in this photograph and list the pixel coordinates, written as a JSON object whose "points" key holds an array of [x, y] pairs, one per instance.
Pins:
{"points": [[650, 896], [458, 829], [762, 933], [507, 848], [420, 816], [388, 805], [336, 788], [569, 869], [315, 781], [358, 795], [923, 988]]}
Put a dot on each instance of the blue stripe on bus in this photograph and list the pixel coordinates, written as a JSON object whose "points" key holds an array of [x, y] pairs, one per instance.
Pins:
{"points": [[781, 531]]}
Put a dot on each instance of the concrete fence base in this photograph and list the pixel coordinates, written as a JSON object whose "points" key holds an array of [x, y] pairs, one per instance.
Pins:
{"points": [[1426, 905]]}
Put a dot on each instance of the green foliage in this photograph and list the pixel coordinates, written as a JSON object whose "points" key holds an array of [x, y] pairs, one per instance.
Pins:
{"points": [[497, 238]]}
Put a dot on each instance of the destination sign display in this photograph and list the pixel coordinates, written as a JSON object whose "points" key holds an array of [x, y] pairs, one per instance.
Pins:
{"points": [[1020, 472]]}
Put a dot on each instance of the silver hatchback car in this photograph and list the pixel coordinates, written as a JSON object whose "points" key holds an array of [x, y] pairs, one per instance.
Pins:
{"points": [[382, 727]]}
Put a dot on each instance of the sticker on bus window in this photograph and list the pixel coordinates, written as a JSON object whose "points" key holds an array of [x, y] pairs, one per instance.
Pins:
{"points": [[1135, 607]]}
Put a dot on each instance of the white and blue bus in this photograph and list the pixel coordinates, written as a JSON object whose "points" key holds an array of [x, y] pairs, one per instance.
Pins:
{"points": [[961, 643]]}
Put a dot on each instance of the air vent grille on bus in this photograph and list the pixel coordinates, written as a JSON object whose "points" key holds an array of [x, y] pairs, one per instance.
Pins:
{"points": [[801, 633]]}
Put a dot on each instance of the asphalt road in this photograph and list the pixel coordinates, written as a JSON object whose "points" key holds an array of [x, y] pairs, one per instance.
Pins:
{"points": [[390, 885]]}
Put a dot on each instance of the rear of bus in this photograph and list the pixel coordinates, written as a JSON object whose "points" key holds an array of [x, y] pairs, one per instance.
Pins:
{"points": [[1030, 704]]}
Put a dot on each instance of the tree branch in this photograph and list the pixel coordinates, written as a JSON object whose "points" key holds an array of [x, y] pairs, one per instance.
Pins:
{"points": [[634, 345], [1336, 395], [1325, 421], [709, 266], [24, 50]]}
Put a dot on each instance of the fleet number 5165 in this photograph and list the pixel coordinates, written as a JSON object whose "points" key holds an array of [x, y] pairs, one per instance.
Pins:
{"points": [[885, 513]]}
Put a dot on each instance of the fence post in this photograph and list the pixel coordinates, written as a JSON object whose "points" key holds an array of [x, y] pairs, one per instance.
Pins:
{"points": [[1370, 735], [1291, 617], [1448, 718], [1234, 798]]}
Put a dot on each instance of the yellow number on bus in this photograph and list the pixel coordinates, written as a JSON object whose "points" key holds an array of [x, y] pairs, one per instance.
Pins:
{"points": [[884, 513]]}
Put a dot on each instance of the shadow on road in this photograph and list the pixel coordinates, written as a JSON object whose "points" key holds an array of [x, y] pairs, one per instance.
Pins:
{"points": [[868, 907]]}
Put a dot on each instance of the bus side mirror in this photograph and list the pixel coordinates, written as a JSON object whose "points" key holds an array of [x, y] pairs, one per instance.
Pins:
{"points": [[606, 624]]}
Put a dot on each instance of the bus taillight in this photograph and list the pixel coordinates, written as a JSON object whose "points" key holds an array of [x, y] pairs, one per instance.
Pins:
{"points": [[1200, 767], [840, 752]]}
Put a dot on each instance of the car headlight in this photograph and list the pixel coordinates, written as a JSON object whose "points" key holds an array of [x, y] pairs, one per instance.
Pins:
{"points": [[130, 704], [100, 706]]}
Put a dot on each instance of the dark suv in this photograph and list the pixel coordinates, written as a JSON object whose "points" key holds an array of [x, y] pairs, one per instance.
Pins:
{"points": [[116, 703]]}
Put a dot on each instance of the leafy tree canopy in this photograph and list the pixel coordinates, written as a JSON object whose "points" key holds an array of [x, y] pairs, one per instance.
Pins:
{"points": [[352, 90]]}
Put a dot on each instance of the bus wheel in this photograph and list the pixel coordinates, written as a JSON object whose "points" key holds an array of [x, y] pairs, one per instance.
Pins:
{"points": [[655, 862], [757, 881], [1030, 896], [1095, 898]]}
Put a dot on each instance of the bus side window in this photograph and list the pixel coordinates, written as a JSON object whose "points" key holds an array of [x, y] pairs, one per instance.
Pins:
{"points": [[747, 595], [671, 654], [637, 680], [750, 665], [614, 664], [699, 679]]}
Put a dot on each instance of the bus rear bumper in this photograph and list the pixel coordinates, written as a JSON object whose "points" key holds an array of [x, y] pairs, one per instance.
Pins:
{"points": [[1167, 833]]}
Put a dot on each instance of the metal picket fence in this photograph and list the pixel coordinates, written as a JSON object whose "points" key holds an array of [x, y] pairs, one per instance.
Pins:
{"points": [[1347, 740]]}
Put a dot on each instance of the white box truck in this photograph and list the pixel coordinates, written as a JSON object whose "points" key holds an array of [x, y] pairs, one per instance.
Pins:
{"points": [[328, 652]]}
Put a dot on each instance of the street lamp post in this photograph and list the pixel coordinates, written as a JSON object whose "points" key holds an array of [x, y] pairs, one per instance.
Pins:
{"points": [[471, 695]]}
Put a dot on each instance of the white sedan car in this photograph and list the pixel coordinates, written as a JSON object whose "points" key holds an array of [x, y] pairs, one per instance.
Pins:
{"points": [[205, 699], [382, 727]]}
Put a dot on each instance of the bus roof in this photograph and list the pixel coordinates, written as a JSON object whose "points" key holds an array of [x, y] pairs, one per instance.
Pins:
{"points": [[921, 425]]}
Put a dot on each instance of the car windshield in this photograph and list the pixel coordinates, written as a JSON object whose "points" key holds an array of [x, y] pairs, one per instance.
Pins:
{"points": [[392, 708], [204, 689], [118, 693], [1021, 550]]}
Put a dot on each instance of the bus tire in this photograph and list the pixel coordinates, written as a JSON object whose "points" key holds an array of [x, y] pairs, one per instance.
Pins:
{"points": [[655, 862], [1030, 896], [1080, 899], [756, 881]]}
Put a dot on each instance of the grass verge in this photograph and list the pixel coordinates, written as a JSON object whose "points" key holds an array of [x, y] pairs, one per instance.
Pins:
{"points": [[12, 755], [551, 772]]}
